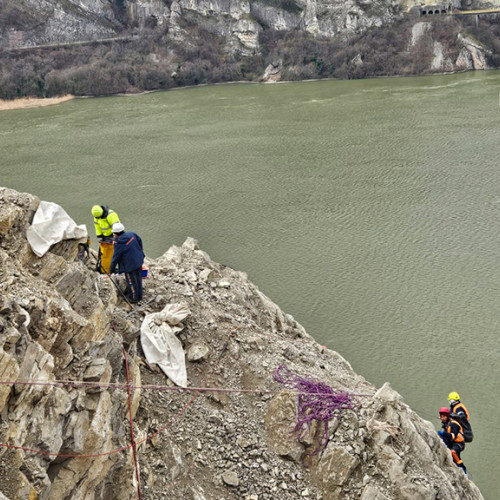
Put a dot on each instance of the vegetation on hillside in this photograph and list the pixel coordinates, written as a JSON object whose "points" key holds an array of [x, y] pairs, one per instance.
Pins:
{"points": [[150, 61]]}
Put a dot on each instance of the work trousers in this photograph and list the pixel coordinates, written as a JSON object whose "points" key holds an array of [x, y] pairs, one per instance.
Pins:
{"points": [[134, 282], [456, 449]]}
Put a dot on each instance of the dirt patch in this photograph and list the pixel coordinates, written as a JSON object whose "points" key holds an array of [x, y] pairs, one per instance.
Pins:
{"points": [[32, 102]]}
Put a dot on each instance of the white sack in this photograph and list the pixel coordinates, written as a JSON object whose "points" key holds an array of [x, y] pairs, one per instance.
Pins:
{"points": [[52, 224], [161, 346]]}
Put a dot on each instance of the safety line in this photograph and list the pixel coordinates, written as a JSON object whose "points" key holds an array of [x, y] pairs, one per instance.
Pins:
{"points": [[167, 388], [198, 391], [170, 422], [134, 452]]}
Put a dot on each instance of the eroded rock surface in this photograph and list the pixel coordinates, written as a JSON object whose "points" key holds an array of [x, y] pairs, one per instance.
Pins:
{"points": [[64, 334], [237, 24]]}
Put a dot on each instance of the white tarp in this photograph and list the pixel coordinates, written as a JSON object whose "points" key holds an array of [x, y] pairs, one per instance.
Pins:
{"points": [[52, 224], [161, 346]]}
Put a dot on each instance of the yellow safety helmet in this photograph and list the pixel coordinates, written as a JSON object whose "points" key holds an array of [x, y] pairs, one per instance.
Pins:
{"points": [[453, 395], [97, 210]]}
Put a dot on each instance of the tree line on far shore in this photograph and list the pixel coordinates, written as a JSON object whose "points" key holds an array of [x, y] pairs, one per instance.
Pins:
{"points": [[149, 62]]}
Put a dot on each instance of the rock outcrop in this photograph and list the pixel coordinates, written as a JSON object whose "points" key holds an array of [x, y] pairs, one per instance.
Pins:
{"points": [[238, 21], [472, 55], [68, 342], [238, 26]]}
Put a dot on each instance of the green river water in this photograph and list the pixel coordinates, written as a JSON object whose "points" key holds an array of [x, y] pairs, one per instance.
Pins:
{"points": [[369, 210]]}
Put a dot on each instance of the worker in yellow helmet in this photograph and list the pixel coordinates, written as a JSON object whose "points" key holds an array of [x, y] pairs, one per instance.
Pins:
{"points": [[460, 413], [104, 218]]}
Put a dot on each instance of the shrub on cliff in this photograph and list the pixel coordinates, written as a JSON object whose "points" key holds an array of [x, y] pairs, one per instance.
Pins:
{"points": [[153, 61]]}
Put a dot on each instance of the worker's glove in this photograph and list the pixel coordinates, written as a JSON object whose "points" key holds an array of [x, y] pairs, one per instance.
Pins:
{"points": [[445, 435]]}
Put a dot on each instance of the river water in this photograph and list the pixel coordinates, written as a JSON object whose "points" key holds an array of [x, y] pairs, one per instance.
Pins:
{"points": [[369, 210]]}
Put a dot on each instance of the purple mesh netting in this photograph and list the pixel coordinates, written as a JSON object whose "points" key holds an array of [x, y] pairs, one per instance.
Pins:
{"points": [[316, 401]]}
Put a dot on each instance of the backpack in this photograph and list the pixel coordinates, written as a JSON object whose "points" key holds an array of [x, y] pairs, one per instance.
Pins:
{"points": [[466, 427]]}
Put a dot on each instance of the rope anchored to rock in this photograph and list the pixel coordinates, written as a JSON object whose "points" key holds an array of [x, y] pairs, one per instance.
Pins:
{"points": [[317, 401]]}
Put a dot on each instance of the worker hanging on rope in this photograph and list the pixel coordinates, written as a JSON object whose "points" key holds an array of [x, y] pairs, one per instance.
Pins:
{"points": [[452, 436], [128, 257], [460, 413], [104, 218]]}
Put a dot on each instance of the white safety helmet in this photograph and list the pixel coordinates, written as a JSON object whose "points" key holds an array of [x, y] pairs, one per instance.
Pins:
{"points": [[118, 227]]}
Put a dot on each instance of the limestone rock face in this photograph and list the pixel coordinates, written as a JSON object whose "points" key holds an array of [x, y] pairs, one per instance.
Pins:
{"points": [[472, 56], [73, 375], [418, 31], [143, 10], [238, 23], [279, 423], [41, 335], [272, 72], [335, 468], [318, 17], [69, 21]]}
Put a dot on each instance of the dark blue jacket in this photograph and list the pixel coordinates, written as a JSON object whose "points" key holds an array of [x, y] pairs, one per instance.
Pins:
{"points": [[128, 254]]}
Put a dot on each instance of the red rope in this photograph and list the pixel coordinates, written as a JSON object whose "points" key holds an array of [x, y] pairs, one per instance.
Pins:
{"points": [[134, 451], [198, 391], [170, 422], [92, 385]]}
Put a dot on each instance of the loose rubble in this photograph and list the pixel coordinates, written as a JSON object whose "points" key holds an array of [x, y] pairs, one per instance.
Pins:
{"points": [[60, 321]]}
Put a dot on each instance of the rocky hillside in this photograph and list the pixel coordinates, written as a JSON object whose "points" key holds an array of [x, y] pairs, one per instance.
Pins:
{"points": [[69, 343], [51, 21], [102, 47], [36, 22]]}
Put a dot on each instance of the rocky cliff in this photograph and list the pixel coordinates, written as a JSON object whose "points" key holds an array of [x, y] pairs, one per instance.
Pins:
{"points": [[238, 23], [102, 47], [73, 375]]}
